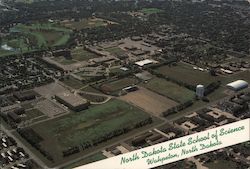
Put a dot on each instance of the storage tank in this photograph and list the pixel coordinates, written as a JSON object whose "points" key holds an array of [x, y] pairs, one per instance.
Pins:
{"points": [[200, 89]]}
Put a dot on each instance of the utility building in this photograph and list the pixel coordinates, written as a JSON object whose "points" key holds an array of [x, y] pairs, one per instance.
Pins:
{"points": [[237, 85], [72, 101]]}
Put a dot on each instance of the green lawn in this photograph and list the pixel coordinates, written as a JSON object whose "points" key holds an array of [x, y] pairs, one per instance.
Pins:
{"points": [[115, 51], [30, 114], [72, 82], [151, 10], [75, 128], [186, 73], [170, 90], [119, 84], [81, 54], [86, 23], [46, 34]]}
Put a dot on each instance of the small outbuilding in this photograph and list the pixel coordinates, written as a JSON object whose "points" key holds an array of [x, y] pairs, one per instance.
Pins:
{"points": [[237, 85]]}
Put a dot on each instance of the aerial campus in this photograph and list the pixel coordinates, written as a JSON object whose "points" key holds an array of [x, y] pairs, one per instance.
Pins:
{"points": [[86, 80]]}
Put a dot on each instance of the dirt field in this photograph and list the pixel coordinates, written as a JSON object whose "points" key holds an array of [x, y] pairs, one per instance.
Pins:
{"points": [[149, 101]]}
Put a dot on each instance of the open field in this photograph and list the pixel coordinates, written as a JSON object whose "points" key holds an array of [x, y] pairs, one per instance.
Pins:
{"points": [[115, 51], [13, 45], [62, 60], [170, 90], [33, 113], [44, 34], [77, 54], [149, 101], [187, 74], [81, 54], [118, 84], [76, 128], [151, 10], [72, 82], [86, 23], [245, 75]]}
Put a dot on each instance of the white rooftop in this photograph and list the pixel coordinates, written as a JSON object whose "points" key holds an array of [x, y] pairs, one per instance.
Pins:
{"points": [[145, 62]]}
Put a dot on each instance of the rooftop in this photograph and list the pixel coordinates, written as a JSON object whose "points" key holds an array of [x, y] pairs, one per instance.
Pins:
{"points": [[71, 98]]}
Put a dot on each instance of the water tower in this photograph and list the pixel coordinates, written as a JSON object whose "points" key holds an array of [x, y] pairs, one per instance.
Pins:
{"points": [[200, 89]]}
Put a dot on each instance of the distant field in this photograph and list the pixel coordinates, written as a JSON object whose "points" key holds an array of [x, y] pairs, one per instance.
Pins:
{"points": [[187, 74], [77, 54], [151, 10], [81, 54], [62, 60], [118, 84], [86, 23], [115, 51], [75, 128], [45, 34], [170, 90], [72, 82]]}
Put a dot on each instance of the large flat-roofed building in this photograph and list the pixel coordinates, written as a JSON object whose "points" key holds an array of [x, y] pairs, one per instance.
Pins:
{"points": [[25, 95], [237, 85], [145, 62], [72, 101]]}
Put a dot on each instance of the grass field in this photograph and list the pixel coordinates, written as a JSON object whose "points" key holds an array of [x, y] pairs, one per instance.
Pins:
{"points": [[75, 128], [241, 75], [170, 90], [90, 89], [89, 159], [45, 34], [118, 84], [151, 10], [81, 54], [187, 74], [115, 51], [86, 23], [72, 82], [78, 55], [34, 113], [62, 60]]}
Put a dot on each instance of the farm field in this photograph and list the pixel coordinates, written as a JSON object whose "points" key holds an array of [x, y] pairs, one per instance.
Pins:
{"points": [[170, 90], [76, 128], [86, 23], [187, 74], [118, 84], [149, 101]]}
